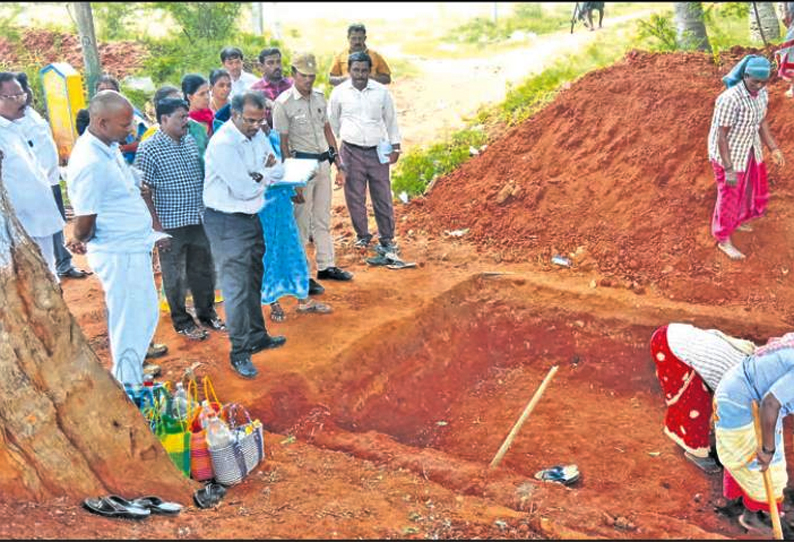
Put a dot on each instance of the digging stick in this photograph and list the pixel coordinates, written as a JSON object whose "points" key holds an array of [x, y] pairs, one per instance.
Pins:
{"points": [[524, 415], [770, 493]]}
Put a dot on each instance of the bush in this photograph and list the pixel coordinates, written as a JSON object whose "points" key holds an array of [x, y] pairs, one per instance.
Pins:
{"points": [[112, 20]]}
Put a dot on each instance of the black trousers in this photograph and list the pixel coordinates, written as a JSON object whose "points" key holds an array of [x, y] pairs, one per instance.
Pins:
{"points": [[188, 265], [238, 247]]}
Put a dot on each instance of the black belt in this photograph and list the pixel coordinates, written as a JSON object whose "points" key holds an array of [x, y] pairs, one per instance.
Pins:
{"points": [[319, 157], [241, 215], [359, 147]]}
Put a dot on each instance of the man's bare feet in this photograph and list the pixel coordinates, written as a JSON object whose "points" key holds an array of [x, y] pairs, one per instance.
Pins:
{"points": [[745, 227], [732, 252]]}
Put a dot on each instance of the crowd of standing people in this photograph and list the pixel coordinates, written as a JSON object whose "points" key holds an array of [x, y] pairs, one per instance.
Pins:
{"points": [[204, 185]]}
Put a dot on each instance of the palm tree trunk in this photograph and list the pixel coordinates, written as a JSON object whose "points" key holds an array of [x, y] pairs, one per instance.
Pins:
{"points": [[690, 26], [770, 27]]}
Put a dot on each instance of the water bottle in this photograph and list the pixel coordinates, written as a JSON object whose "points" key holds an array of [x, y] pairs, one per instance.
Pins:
{"points": [[206, 412], [180, 402], [384, 150], [218, 433]]}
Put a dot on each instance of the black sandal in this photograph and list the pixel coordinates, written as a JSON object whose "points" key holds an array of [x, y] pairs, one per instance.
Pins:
{"points": [[114, 506], [209, 496], [156, 505]]}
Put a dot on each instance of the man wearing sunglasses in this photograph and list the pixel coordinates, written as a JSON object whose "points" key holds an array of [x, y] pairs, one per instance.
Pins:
{"points": [[240, 165], [25, 179]]}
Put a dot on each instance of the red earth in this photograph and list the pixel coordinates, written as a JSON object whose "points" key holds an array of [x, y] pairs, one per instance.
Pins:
{"points": [[41, 47], [382, 418]]}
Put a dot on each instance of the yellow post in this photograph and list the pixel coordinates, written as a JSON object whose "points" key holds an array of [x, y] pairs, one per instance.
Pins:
{"points": [[63, 93]]}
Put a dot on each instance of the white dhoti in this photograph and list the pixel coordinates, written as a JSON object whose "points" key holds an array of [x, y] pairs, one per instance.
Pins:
{"points": [[131, 299], [48, 251]]}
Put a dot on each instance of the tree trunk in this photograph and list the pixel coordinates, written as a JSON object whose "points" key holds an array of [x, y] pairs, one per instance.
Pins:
{"points": [[85, 27], [66, 426], [691, 29], [770, 26]]}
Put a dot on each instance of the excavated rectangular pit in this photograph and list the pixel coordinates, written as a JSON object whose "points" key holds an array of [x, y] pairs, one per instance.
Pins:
{"points": [[457, 375]]}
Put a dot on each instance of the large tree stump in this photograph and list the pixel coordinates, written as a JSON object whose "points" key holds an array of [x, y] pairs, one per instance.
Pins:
{"points": [[66, 426]]}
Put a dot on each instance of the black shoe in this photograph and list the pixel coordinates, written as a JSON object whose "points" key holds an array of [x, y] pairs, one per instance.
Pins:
{"points": [[242, 364], [315, 288], [334, 273], [193, 332], [213, 323], [269, 343]]}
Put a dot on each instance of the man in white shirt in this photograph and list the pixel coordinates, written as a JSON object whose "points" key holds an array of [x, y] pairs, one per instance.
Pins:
{"points": [[240, 165], [361, 113], [113, 220], [232, 60], [25, 180], [40, 136]]}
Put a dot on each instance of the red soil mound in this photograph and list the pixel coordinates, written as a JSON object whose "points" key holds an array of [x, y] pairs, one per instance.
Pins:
{"points": [[617, 167], [42, 47]]}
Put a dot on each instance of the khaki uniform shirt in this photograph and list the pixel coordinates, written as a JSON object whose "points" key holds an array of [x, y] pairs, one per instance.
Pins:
{"points": [[379, 66], [302, 119]]}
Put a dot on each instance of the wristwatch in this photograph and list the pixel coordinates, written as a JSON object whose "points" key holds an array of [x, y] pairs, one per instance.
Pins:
{"points": [[256, 176], [763, 449]]}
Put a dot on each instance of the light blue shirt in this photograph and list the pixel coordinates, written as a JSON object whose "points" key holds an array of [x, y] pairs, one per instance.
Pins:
{"points": [[772, 372], [100, 182]]}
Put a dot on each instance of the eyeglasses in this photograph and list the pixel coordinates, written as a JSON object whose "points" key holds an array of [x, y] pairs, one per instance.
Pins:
{"points": [[17, 97]]}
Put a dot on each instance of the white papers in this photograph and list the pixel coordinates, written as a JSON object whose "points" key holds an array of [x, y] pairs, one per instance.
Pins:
{"points": [[297, 171]]}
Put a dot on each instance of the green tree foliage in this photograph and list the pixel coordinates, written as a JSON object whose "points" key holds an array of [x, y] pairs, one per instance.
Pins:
{"points": [[203, 21], [658, 32], [112, 19]]}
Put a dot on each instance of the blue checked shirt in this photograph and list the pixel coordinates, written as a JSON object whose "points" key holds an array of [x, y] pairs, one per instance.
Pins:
{"points": [[176, 176]]}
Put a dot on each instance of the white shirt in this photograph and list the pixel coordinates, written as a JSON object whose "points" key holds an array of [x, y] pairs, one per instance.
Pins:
{"points": [[243, 83], [100, 182], [38, 131], [704, 350], [229, 159], [27, 184], [363, 117]]}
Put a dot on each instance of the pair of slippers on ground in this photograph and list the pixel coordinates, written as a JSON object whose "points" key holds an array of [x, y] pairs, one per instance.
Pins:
{"points": [[114, 506]]}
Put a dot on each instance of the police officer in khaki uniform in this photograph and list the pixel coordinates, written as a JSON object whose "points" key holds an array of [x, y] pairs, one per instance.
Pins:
{"points": [[299, 116]]}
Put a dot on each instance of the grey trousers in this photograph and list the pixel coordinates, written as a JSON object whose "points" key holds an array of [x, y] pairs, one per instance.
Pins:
{"points": [[188, 265], [238, 247], [363, 167], [63, 258]]}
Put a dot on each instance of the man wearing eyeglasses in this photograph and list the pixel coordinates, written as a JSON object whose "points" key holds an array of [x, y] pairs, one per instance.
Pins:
{"points": [[240, 165], [25, 179]]}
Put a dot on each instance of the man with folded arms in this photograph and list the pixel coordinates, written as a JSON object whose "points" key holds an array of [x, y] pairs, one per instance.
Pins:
{"points": [[114, 221], [172, 168], [361, 112], [240, 164], [300, 118]]}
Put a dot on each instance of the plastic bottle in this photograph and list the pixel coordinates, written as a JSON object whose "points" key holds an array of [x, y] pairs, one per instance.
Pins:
{"points": [[180, 407], [206, 412], [384, 150], [218, 433]]}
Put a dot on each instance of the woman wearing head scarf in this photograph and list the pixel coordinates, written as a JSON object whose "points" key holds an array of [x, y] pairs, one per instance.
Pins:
{"points": [[690, 362], [196, 91], [738, 128], [766, 377]]}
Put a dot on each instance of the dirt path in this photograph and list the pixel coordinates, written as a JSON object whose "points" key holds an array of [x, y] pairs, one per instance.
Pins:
{"points": [[447, 91]]}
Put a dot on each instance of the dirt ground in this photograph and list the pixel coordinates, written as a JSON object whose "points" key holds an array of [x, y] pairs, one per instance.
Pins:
{"points": [[382, 417]]}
